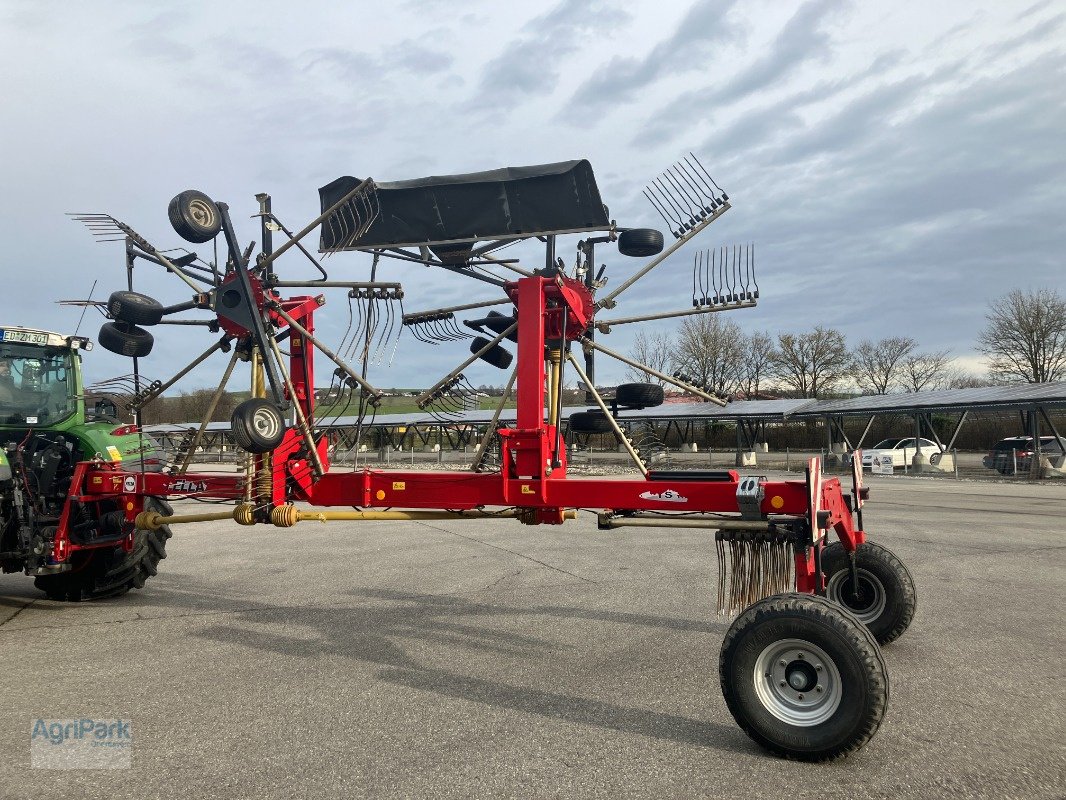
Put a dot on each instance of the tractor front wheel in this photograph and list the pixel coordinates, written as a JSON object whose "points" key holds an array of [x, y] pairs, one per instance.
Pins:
{"points": [[803, 677], [885, 600]]}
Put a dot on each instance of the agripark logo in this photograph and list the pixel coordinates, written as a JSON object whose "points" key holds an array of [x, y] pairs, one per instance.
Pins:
{"points": [[86, 743]]}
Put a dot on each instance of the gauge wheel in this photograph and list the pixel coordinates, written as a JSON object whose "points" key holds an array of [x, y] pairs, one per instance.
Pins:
{"points": [[134, 308], [590, 422], [803, 677], [640, 242], [125, 339], [886, 599], [640, 395], [194, 216], [257, 425]]}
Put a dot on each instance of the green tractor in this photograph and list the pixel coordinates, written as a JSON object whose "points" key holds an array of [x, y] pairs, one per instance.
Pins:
{"points": [[45, 431]]}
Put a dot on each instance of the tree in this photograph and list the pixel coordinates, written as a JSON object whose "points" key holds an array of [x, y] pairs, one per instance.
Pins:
{"points": [[876, 366], [757, 362], [811, 363], [926, 371], [709, 351], [657, 351], [1025, 338]]}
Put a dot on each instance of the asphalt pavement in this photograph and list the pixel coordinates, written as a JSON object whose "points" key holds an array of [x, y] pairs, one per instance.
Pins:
{"points": [[486, 658]]}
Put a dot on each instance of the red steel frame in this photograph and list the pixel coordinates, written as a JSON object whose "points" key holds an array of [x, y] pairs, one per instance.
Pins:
{"points": [[550, 310]]}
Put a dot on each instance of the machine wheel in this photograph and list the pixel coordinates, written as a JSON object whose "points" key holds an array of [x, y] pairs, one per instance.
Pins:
{"points": [[590, 422], [134, 308], [496, 355], [803, 677], [640, 395], [194, 216], [110, 572], [640, 242], [125, 339], [887, 599], [257, 425]]}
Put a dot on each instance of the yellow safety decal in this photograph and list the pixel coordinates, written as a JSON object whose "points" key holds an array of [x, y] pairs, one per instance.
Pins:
{"points": [[114, 453], [527, 489], [398, 486]]}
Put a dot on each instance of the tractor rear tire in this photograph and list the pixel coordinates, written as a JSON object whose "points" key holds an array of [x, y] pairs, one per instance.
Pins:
{"points": [[887, 598], [257, 426], [640, 242], [110, 572], [640, 395], [125, 339], [590, 422], [194, 216], [803, 677], [134, 308]]}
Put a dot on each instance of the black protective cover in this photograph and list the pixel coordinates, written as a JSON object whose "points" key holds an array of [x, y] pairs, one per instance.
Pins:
{"points": [[508, 203]]}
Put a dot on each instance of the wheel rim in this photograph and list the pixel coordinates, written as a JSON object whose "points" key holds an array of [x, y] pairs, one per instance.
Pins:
{"points": [[869, 605], [266, 423], [797, 682], [202, 213]]}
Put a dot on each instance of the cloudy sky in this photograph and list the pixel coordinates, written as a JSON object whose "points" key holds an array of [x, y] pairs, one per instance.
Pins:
{"points": [[898, 164]]}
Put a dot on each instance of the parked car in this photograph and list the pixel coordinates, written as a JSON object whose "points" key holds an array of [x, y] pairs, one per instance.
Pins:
{"points": [[1015, 453], [900, 451]]}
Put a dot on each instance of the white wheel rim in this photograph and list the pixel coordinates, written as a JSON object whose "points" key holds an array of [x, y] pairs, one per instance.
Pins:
{"points": [[797, 682], [872, 597], [202, 213], [266, 423]]}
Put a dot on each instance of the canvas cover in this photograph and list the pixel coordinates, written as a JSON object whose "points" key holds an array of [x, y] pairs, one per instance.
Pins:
{"points": [[508, 203]]}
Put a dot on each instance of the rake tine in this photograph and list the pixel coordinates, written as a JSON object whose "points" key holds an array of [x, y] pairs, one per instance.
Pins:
{"points": [[681, 184], [703, 183], [695, 302], [669, 223], [714, 268], [673, 204], [733, 275], [684, 170], [705, 172], [680, 194], [754, 280]]}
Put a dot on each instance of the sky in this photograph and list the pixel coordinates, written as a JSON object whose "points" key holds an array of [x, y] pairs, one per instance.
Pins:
{"points": [[898, 165]]}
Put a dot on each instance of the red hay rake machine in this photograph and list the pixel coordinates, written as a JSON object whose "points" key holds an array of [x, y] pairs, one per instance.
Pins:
{"points": [[800, 668]]}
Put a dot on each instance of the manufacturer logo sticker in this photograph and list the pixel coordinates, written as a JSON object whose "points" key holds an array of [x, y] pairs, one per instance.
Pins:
{"points": [[665, 496], [129, 485], [188, 486]]}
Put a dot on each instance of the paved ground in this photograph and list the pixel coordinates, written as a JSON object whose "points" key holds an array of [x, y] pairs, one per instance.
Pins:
{"points": [[477, 658]]}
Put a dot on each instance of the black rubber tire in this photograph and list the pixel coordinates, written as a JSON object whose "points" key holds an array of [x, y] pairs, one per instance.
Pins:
{"points": [[194, 216], [882, 577], [496, 356], [860, 683], [590, 422], [125, 339], [257, 425], [134, 308], [640, 242], [640, 395], [498, 323], [110, 572]]}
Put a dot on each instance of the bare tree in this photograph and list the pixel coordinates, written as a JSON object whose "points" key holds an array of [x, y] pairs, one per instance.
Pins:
{"points": [[657, 351], [709, 352], [926, 371], [812, 363], [876, 366], [756, 363], [1025, 338]]}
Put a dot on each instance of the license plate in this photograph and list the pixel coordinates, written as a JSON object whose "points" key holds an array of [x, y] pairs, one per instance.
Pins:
{"points": [[24, 337]]}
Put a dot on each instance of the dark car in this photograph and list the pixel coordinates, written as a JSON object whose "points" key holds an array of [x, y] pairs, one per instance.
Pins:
{"points": [[1015, 454]]}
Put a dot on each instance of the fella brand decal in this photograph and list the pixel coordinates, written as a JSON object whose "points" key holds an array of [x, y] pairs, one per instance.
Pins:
{"points": [[666, 496]]}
